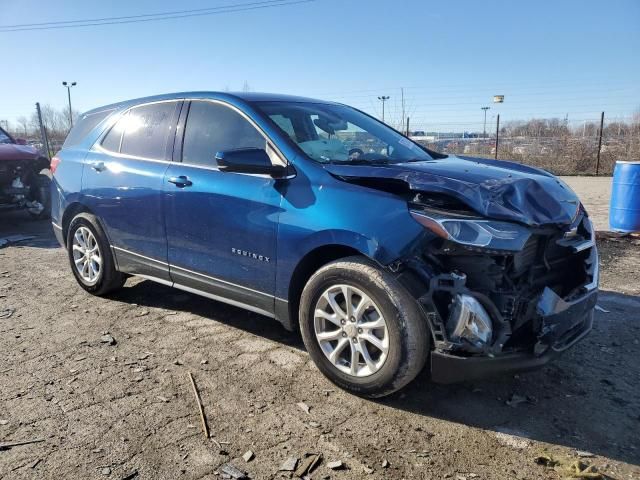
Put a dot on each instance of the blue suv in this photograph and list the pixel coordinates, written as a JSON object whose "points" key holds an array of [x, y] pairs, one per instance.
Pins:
{"points": [[385, 255]]}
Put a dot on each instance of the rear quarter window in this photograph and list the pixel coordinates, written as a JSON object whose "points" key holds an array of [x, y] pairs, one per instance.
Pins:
{"points": [[112, 140], [84, 125]]}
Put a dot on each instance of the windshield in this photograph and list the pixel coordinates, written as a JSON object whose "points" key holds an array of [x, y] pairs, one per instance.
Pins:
{"points": [[4, 137], [340, 134]]}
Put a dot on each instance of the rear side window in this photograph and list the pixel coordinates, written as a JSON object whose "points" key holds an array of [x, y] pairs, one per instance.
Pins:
{"points": [[212, 128], [146, 130], [84, 125], [143, 131]]}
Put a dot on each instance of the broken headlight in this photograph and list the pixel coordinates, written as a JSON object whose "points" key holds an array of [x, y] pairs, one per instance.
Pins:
{"points": [[478, 232]]}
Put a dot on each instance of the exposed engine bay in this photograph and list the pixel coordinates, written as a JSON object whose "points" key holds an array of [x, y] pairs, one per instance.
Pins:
{"points": [[23, 187], [23, 184], [492, 301]]}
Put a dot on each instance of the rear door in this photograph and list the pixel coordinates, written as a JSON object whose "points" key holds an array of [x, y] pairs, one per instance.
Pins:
{"points": [[221, 227], [123, 181]]}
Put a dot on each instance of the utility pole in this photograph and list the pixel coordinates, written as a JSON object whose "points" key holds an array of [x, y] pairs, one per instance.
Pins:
{"points": [[43, 132], [484, 128], [383, 99], [408, 133], [497, 134], [599, 143], [68, 86]]}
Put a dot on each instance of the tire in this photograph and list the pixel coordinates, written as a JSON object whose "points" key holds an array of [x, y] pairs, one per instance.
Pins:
{"points": [[405, 335], [108, 278], [41, 192]]}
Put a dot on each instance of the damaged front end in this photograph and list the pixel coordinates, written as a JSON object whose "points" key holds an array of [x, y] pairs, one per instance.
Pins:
{"points": [[507, 269], [500, 296]]}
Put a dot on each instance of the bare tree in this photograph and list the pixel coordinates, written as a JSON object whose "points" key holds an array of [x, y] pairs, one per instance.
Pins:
{"points": [[56, 121], [22, 125]]}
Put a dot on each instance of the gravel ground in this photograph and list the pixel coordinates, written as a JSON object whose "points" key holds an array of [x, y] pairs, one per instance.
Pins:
{"points": [[127, 410], [595, 193]]}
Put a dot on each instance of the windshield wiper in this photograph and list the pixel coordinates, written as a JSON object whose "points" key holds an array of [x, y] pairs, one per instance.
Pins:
{"points": [[414, 160], [360, 161]]}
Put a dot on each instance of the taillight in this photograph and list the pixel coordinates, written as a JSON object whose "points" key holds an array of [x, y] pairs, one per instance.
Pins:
{"points": [[55, 161]]}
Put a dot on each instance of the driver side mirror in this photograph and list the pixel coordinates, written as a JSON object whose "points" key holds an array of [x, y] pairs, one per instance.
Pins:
{"points": [[249, 160], [21, 141]]}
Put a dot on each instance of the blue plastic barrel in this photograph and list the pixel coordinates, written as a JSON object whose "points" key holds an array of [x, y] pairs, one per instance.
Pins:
{"points": [[624, 214]]}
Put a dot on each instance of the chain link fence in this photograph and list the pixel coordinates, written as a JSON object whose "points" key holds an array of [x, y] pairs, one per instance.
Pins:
{"points": [[557, 148]]}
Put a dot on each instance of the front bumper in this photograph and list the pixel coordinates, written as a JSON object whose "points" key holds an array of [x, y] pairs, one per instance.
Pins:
{"points": [[57, 230], [571, 324]]}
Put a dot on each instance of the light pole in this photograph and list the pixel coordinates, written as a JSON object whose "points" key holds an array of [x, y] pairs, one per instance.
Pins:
{"points": [[484, 127], [383, 99], [498, 99], [68, 86]]}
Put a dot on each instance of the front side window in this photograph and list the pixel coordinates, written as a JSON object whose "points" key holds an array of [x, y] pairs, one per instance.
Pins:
{"points": [[329, 133], [212, 128]]}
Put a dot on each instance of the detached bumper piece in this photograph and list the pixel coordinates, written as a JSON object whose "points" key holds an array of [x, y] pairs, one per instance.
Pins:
{"points": [[564, 329]]}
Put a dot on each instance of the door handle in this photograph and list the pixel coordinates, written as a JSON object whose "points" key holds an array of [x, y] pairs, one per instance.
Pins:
{"points": [[99, 166], [181, 181]]}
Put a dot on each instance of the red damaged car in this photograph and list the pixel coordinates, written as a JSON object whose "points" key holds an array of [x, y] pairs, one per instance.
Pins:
{"points": [[23, 183]]}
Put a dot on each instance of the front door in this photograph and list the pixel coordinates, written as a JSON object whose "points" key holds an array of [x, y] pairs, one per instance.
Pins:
{"points": [[221, 227]]}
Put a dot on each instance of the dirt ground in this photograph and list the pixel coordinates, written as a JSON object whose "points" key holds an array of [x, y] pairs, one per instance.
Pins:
{"points": [[595, 193], [127, 410]]}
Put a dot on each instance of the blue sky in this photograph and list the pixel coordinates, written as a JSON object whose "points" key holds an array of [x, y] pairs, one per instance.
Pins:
{"points": [[549, 58]]}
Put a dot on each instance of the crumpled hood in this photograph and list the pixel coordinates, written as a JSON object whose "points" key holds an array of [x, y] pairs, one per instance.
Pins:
{"points": [[12, 151], [493, 188]]}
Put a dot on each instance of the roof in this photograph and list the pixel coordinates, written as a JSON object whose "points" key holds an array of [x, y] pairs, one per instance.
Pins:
{"points": [[275, 97], [248, 97]]}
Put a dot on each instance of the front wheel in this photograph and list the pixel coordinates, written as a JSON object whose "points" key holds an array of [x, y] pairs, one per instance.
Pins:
{"points": [[362, 328]]}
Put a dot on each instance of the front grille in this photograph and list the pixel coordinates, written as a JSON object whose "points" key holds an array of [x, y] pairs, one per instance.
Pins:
{"points": [[526, 257]]}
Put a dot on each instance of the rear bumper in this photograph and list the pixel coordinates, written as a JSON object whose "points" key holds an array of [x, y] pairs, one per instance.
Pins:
{"points": [[568, 326]]}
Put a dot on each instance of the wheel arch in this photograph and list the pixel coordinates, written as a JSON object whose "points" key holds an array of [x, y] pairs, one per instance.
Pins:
{"points": [[70, 212], [306, 267]]}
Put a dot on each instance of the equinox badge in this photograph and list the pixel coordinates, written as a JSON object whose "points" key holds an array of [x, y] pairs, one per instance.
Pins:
{"points": [[255, 256]]}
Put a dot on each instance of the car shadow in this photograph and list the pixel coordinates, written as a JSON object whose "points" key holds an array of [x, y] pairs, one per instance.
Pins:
{"points": [[588, 399], [155, 295]]}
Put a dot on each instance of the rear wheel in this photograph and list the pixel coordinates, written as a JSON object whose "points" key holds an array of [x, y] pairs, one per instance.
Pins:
{"points": [[362, 328], [90, 256]]}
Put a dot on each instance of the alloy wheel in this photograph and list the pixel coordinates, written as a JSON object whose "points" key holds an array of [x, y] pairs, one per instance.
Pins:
{"points": [[86, 255], [351, 330]]}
